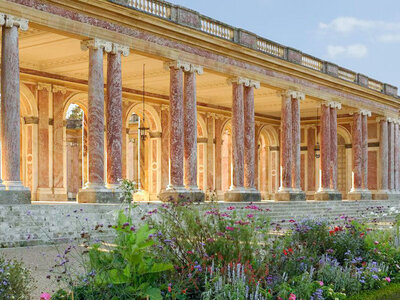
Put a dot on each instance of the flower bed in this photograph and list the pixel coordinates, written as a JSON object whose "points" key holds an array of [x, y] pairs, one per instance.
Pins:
{"points": [[187, 251]]}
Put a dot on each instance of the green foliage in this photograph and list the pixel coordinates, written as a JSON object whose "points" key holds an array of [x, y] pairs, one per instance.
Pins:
{"points": [[16, 282], [390, 292]]}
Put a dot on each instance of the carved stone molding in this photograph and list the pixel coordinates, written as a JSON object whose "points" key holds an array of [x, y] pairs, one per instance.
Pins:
{"points": [[164, 107], [44, 86], [245, 81], [155, 134], [117, 48], [10, 21], [31, 120], [59, 88], [97, 44]]}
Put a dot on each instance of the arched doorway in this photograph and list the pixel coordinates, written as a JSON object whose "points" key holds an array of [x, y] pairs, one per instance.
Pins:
{"points": [[344, 161], [75, 149]]}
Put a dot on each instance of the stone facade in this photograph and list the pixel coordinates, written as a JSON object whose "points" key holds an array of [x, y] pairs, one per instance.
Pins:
{"points": [[210, 122]]}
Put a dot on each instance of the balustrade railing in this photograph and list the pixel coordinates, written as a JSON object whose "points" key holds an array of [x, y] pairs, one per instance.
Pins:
{"points": [[270, 48], [347, 75], [158, 8], [215, 28], [375, 85], [312, 63]]}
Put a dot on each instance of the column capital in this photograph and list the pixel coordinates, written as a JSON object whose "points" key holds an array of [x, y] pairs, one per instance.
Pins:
{"points": [[117, 48], [334, 104], [365, 112], [210, 115], [59, 88], [97, 44], [10, 21], [294, 94], [164, 107], [185, 66], [44, 86], [245, 81]]}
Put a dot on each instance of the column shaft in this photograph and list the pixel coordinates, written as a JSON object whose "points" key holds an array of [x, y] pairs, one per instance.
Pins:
{"points": [[96, 118], [10, 106], [237, 135], [176, 141], [383, 155], [357, 151], [296, 168], [114, 118], [364, 164], [165, 148], [286, 143], [334, 148], [396, 157], [190, 129], [249, 138], [391, 155], [325, 147]]}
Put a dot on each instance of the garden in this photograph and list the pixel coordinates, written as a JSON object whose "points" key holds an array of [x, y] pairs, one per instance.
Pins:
{"points": [[184, 250]]}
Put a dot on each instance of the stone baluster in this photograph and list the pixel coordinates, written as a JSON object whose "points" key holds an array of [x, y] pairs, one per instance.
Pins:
{"points": [[13, 191], [290, 189], [359, 190], [190, 132], [328, 183], [95, 190], [114, 115]]}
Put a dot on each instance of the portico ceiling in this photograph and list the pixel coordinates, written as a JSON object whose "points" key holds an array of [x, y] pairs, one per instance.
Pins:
{"points": [[60, 54]]}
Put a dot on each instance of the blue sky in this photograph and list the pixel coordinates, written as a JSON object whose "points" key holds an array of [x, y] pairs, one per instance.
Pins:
{"points": [[361, 35]]}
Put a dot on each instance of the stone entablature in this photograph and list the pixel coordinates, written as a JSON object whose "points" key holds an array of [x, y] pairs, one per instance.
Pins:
{"points": [[193, 19]]}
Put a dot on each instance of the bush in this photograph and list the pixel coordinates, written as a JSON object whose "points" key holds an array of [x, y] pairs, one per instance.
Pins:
{"points": [[16, 281]]}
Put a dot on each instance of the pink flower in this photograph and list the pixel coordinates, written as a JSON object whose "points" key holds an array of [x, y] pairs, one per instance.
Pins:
{"points": [[292, 297], [387, 279], [45, 296], [231, 208], [250, 216], [376, 242], [230, 228], [321, 283]]}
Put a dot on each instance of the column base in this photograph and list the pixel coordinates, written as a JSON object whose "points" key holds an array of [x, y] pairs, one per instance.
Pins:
{"points": [[242, 195], [328, 195], [44, 194], [359, 195], [14, 192], [197, 195], [98, 194], [175, 194], [141, 196], [290, 195], [386, 195]]}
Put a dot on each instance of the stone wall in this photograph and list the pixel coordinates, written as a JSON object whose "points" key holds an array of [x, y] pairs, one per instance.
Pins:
{"points": [[26, 225]]}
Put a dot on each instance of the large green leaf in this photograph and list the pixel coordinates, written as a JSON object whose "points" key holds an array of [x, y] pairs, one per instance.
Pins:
{"points": [[154, 293], [117, 277]]}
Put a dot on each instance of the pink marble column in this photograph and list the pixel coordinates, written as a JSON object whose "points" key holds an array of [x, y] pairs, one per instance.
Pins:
{"points": [[176, 126], [396, 156], [165, 147], [190, 130], [364, 163], [383, 155], [43, 94], [96, 111], [114, 114], [249, 137], [296, 144], [334, 147], [325, 149], [59, 94], [10, 102], [357, 151], [218, 153], [237, 134], [395, 159], [286, 143], [311, 159], [391, 155]]}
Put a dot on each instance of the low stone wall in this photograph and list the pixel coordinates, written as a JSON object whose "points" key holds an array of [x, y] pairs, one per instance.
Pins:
{"points": [[26, 225]]}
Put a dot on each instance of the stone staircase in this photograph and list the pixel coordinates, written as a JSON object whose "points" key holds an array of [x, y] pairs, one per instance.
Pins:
{"points": [[40, 223]]}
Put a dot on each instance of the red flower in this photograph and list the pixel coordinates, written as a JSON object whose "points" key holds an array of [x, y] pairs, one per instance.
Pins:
{"points": [[184, 291], [361, 234], [292, 221], [290, 250], [230, 228], [285, 252], [169, 288], [331, 232]]}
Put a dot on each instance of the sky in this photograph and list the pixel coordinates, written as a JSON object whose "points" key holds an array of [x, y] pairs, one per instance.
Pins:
{"points": [[361, 35]]}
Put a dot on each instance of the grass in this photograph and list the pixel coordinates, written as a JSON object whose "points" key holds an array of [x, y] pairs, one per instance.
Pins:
{"points": [[390, 292]]}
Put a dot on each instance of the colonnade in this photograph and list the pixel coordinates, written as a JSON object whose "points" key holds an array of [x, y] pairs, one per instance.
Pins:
{"points": [[182, 134]]}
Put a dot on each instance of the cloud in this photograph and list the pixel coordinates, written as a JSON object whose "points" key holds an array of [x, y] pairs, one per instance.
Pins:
{"points": [[353, 51], [390, 38], [351, 24]]}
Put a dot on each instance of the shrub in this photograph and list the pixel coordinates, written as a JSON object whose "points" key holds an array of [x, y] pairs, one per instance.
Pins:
{"points": [[16, 281]]}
